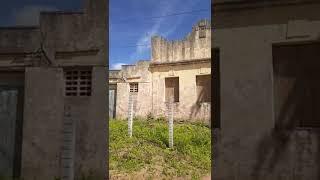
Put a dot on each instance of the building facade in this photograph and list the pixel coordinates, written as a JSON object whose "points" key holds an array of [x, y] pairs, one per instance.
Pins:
{"points": [[178, 72], [268, 68], [52, 95]]}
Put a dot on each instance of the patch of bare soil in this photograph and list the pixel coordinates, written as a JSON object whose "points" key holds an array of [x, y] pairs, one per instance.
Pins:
{"points": [[145, 175], [208, 177], [150, 172]]}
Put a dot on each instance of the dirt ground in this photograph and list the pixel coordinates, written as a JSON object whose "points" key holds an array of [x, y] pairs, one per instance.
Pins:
{"points": [[208, 177], [142, 175]]}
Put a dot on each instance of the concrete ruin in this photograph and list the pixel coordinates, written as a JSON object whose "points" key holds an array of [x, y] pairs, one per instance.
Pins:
{"points": [[268, 71], [180, 70], [53, 95]]}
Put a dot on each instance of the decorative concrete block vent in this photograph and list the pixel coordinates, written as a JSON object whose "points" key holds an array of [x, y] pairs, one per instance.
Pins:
{"points": [[78, 81]]}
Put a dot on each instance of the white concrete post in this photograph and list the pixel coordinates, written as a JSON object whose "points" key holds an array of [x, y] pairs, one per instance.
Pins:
{"points": [[130, 115], [170, 121]]}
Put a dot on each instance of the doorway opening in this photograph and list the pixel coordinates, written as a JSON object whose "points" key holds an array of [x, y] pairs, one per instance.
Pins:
{"points": [[296, 72], [11, 120]]}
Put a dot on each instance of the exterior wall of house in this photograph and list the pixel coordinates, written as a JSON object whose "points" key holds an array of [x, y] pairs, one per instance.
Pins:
{"points": [[42, 123], [187, 108], [122, 100], [184, 58], [192, 47], [90, 114], [247, 146], [70, 39], [140, 74]]}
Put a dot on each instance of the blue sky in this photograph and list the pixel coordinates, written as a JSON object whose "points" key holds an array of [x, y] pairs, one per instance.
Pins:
{"points": [[130, 22], [25, 12], [130, 25]]}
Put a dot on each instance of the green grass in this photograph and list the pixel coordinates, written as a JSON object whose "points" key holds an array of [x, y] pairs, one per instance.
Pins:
{"points": [[148, 149]]}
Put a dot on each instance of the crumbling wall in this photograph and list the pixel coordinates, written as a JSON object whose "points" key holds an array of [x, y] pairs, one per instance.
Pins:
{"points": [[194, 52], [249, 146], [90, 115], [19, 39], [185, 59], [187, 108], [122, 100], [140, 74], [69, 39], [115, 76], [137, 71], [192, 47], [42, 123]]}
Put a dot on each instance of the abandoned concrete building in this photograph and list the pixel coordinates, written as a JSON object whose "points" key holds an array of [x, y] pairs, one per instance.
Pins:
{"points": [[52, 95], [179, 72], [268, 72]]}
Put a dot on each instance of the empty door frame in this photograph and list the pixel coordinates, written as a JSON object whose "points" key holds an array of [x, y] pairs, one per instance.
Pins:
{"points": [[9, 81], [295, 64], [215, 86], [113, 87]]}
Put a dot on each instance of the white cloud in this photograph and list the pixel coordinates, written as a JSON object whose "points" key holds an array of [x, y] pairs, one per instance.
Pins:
{"points": [[146, 37], [180, 19], [117, 66], [29, 15], [156, 28]]}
